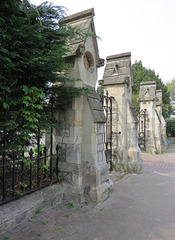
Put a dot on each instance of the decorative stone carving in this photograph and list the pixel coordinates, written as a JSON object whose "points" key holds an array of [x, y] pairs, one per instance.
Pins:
{"points": [[147, 91], [80, 50]]}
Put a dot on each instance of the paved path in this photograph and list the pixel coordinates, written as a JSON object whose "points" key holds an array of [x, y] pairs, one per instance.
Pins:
{"points": [[160, 163], [142, 207]]}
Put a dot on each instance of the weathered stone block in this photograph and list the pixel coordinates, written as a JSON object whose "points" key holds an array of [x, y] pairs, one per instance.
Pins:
{"points": [[100, 128], [100, 138], [100, 147], [73, 153], [14, 212], [100, 157]]}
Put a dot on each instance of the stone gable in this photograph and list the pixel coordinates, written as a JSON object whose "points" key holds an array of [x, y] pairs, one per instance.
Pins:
{"points": [[118, 69], [147, 91]]}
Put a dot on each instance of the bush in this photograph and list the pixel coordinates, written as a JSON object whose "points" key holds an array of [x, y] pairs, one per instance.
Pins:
{"points": [[170, 127]]}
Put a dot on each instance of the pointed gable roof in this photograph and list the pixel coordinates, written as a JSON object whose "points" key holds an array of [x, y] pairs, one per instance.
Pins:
{"points": [[117, 69], [84, 21]]}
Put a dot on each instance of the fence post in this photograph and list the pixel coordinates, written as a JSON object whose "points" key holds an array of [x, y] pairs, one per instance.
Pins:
{"points": [[13, 177], [51, 137], [45, 160], [38, 157], [57, 159], [31, 156]]}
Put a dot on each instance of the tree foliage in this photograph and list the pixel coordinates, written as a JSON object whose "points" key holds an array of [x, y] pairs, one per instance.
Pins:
{"points": [[171, 88], [33, 44], [142, 74], [170, 127]]}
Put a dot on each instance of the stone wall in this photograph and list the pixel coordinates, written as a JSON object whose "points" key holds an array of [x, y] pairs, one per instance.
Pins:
{"points": [[15, 212]]}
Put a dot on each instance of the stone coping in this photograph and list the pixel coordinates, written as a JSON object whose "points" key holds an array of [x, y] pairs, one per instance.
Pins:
{"points": [[121, 55]]}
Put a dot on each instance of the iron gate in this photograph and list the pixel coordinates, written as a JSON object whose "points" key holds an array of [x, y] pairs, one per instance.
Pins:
{"points": [[106, 101], [142, 129]]}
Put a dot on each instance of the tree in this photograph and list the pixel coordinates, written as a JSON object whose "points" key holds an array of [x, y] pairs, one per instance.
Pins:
{"points": [[171, 88], [142, 74], [33, 43], [170, 127]]}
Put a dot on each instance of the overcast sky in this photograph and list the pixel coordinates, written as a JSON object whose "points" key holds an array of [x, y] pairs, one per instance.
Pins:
{"points": [[146, 28]]}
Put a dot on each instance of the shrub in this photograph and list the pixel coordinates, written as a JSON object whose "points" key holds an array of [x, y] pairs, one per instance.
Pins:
{"points": [[170, 127]]}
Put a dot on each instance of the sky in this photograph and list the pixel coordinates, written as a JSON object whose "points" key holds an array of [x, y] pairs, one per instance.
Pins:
{"points": [[146, 28]]}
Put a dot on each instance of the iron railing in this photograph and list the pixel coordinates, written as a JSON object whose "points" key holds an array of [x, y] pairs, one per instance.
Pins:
{"points": [[22, 173], [106, 101]]}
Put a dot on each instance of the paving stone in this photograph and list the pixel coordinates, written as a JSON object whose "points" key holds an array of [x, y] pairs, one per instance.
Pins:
{"points": [[141, 208]]}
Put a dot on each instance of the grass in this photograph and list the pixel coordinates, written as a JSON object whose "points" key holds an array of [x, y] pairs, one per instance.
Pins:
{"points": [[38, 210], [39, 234], [122, 176], [70, 205], [68, 215], [59, 228], [101, 209], [44, 223]]}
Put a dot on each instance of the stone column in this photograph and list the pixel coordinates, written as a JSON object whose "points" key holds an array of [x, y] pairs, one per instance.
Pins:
{"points": [[118, 82]]}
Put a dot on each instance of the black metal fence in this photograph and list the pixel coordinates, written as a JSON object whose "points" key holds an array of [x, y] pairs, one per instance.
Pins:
{"points": [[106, 101], [23, 172], [23, 175]]}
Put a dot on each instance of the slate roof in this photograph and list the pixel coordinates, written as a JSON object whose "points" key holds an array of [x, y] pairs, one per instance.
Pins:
{"points": [[96, 109]]}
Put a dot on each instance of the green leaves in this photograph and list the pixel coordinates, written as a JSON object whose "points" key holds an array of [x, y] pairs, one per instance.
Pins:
{"points": [[170, 127], [171, 88], [22, 116], [46, 167], [5, 105], [33, 46], [31, 101], [142, 74]]}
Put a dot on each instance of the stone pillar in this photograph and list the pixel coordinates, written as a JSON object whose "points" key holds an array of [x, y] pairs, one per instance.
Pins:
{"points": [[147, 98], [163, 133], [159, 103], [118, 82], [158, 123], [83, 164]]}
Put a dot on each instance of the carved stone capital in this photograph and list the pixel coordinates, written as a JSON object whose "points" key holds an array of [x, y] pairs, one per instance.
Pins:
{"points": [[100, 82]]}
